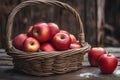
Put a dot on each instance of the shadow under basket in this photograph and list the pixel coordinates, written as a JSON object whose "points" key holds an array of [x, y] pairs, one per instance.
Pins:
{"points": [[46, 63]]}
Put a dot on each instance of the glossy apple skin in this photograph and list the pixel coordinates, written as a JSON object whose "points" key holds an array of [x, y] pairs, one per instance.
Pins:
{"points": [[54, 28], [47, 47], [31, 45], [29, 32], [61, 41], [41, 31], [107, 63], [64, 31], [94, 53], [75, 45], [73, 38], [19, 40]]}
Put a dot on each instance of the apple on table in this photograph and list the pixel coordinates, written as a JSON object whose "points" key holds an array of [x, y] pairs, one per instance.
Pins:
{"points": [[107, 63], [93, 55]]}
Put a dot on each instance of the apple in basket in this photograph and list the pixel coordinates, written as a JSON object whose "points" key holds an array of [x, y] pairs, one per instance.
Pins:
{"points": [[64, 31], [107, 63], [75, 45], [61, 41], [31, 45], [94, 53], [29, 32], [19, 40], [54, 28], [73, 38], [41, 31], [47, 47]]}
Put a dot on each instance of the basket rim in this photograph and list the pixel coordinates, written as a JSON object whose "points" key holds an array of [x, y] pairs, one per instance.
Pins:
{"points": [[16, 53]]}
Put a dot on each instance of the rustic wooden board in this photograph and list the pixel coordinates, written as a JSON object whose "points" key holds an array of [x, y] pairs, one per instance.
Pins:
{"points": [[86, 73]]}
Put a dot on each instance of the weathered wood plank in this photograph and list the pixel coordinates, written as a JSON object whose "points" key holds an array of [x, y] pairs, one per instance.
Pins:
{"points": [[100, 22], [91, 22], [86, 73]]}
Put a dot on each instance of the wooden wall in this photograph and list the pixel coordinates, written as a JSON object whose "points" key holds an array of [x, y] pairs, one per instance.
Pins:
{"points": [[32, 14], [112, 23]]}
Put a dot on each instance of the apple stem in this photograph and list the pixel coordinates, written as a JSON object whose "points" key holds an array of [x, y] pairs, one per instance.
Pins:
{"points": [[107, 52]]}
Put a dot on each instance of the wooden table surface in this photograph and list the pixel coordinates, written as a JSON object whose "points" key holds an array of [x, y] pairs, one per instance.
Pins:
{"points": [[86, 73]]}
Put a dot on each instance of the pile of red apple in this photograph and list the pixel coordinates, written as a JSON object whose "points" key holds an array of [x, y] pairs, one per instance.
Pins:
{"points": [[44, 36], [99, 57]]}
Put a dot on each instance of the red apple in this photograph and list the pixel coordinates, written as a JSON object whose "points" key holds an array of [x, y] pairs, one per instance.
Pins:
{"points": [[31, 45], [107, 63], [94, 53], [73, 38], [75, 45], [54, 28], [29, 32], [61, 41], [41, 31], [64, 31], [19, 40], [47, 47]]}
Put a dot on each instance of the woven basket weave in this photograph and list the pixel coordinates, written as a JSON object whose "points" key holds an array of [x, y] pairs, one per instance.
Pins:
{"points": [[46, 63]]}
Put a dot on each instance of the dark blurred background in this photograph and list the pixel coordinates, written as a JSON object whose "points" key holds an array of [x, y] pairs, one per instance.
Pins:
{"points": [[101, 19]]}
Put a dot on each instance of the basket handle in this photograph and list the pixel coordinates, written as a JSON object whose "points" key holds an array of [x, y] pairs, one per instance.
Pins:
{"points": [[43, 2]]}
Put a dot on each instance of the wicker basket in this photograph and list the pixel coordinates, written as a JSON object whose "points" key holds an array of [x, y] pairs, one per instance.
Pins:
{"points": [[46, 63]]}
